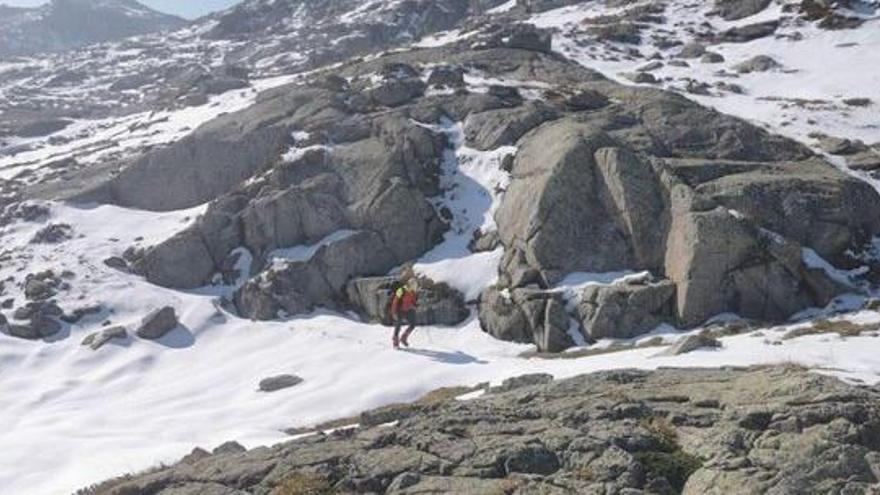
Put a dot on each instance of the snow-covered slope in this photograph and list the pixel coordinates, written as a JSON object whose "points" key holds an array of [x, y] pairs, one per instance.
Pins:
{"points": [[72, 416], [817, 70]]}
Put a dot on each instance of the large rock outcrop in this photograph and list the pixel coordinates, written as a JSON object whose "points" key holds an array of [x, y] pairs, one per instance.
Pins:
{"points": [[438, 304], [720, 209], [632, 179], [582, 204], [376, 168], [300, 286], [526, 316], [732, 10], [690, 431], [625, 310]]}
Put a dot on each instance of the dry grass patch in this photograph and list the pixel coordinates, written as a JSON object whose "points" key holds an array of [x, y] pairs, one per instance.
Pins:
{"points": [[507, 486], [304, 484], [389, 413], [661, 427], [444, 394], [671, 462], [106, 487], [616, 396], [582, 353], [844, 328]]}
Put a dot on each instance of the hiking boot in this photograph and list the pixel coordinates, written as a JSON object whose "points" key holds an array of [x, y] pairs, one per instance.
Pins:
{"points": [[394, 343], [403, 339]]}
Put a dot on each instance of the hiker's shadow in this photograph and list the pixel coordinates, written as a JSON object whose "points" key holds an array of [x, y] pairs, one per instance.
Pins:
{"points": [[456, 357]]}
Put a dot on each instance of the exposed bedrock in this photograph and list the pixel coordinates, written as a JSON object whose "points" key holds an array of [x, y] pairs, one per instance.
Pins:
{"points": [[690, 431], [607, 178], [727, 235]]}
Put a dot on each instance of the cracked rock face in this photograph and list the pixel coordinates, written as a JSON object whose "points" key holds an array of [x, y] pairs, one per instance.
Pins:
{"points": [[689, 431], [606, 178]]}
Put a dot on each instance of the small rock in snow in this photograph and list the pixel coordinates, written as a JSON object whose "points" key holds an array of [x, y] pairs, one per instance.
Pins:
{"points": [[650, 66], [840, 146], [40, 326], [857, 102], [279, 382], [712, 58], [692, 50], [157, 323], [692, 343], [758, 63], [864, 160], [80, 313], [96, 340], [53, 234], [641, 77], [117, 263]]}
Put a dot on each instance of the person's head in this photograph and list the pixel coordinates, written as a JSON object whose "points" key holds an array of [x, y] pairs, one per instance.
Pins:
{"points": [[412, 284]]}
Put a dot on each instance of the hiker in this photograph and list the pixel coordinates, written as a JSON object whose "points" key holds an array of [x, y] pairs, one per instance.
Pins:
{"points": [[403, 307]]}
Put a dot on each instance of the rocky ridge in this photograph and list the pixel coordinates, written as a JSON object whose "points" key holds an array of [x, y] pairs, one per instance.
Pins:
{"points": [[668, 431], [605, 178]]}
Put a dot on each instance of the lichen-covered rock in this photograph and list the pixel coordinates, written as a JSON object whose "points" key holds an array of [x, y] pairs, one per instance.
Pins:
{"points": [[586, 200], [758, 63], [40, 326], [690, 431], [182, 262], [53, 234], [445, 76], [749, 32], [398, 91], [299, 286], [489, 130], [527, 316], [691, 343], [733, 10], [692, 50], [607, 177], [97, 340], [521, 36], [581, 204], [625, 310]]}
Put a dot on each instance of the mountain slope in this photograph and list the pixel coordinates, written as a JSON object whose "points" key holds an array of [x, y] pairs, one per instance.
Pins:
{"points": [[66, 24], [605, 183]]}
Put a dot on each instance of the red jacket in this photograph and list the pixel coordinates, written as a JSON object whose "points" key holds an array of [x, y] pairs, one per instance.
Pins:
{"points": [[404, 300]]}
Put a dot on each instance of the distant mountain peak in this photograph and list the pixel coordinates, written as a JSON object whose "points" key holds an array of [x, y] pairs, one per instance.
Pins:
{"points": [[65, 24]]}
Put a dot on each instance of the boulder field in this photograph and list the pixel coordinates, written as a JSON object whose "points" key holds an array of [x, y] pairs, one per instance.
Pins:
{"points": [[606, 178]]}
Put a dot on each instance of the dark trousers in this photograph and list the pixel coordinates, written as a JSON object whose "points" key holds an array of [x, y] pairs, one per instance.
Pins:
{"points": [[410, 317]]}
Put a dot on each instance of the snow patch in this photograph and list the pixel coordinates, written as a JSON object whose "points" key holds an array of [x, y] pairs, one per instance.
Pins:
{"points": [[280, 258], [473, 183]]}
